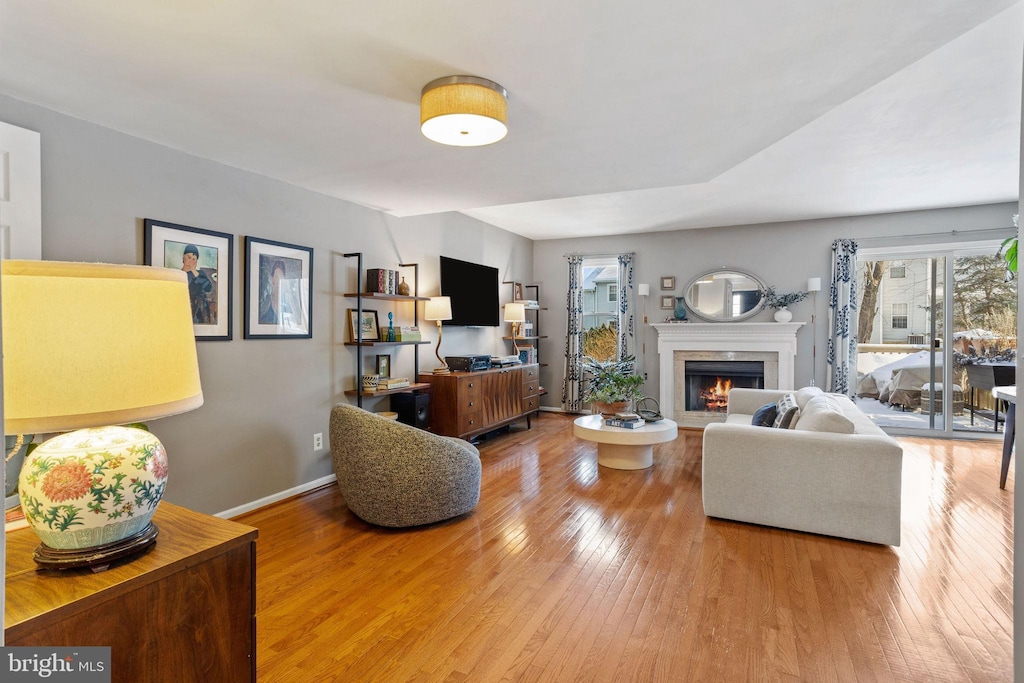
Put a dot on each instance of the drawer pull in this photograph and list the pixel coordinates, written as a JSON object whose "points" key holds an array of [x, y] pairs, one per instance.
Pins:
{"points": [[470, 385], [470, 404]]}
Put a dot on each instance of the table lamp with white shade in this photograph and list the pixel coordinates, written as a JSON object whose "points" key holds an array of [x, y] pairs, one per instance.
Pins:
{"points": [[87, 345], [439, 308], [515, 313]]}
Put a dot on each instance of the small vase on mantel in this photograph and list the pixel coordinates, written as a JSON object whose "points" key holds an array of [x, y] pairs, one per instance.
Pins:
{"points": [[783, 315]]}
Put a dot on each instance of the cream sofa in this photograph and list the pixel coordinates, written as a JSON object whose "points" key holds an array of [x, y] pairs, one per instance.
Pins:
{"points": [[838, 484]]}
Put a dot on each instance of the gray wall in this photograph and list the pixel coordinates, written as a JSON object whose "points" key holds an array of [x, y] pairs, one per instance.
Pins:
{"points": [[264, 399], [781, 254]]}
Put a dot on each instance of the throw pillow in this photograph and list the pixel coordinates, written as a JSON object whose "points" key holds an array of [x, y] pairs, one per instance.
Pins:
{"points": [[806, 394], [825, 414], [787, 411], [764, 416]]}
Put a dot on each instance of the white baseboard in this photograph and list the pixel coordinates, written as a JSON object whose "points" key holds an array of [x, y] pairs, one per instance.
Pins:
{"points": [[550, 409], [275, 497]]}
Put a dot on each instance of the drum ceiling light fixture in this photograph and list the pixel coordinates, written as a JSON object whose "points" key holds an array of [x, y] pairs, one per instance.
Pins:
{"points": [[464, 111]]}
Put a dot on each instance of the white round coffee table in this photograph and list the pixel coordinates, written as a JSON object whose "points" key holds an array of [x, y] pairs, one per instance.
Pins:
{"points": [[621, 448]]}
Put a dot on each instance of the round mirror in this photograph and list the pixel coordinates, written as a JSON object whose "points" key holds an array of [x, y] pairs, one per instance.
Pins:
{"points": [[725, 295]]}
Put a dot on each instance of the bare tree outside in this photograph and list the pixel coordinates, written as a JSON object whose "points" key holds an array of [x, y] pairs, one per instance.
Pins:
{"points": [[873, 272]]}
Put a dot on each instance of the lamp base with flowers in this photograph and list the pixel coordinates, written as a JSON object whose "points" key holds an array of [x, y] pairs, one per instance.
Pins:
{"points": [[90, 495]]}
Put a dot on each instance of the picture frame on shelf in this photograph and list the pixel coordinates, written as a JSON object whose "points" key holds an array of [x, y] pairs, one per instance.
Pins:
{"points": [[370, 325], [209, 264], [383, 365], [668, 302], [517, 291], [278, 290], [668, 282]]}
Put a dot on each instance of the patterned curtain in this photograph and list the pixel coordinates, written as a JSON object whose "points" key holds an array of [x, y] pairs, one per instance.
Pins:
{"points": [[626, 345], [842, 309], [572, 385]]}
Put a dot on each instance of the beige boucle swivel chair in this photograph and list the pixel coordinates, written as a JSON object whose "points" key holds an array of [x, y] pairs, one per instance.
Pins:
{"points": [[395, 475]]}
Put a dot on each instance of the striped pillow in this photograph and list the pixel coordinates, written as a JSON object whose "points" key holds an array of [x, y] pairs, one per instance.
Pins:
{"points": [[787, 411]]}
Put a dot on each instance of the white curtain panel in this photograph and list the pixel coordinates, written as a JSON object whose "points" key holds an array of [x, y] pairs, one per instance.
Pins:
{"points": [[842, 312], [572, 385]]}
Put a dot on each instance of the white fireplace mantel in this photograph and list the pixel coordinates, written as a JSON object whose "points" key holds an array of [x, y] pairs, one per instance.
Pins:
{"points": [[770, 337]]}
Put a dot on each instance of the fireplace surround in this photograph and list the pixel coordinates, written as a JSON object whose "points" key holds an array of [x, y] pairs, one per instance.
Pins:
{"points": [[770, 344]]}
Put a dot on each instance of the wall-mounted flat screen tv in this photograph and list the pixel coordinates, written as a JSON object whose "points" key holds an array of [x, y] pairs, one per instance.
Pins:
{"points": [[473, 289]]}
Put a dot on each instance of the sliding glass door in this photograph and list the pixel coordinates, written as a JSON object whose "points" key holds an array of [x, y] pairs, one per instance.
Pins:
{"points": [[928, 353]]}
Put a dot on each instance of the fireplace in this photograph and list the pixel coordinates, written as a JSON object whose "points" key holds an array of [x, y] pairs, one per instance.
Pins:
{"points": [[708, 382], [769, 345]]}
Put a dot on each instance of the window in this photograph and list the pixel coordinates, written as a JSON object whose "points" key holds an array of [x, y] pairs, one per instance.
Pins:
{"points": [[899, 316], [600, 310], [897, 271], [613, 294]]}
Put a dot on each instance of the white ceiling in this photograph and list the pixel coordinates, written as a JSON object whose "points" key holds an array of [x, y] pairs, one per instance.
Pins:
{"points": [[623, 117]]}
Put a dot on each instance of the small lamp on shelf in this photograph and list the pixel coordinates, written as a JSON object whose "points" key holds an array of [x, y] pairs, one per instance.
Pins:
{"points": [[86, 345], [515, 313], [439, 308]]}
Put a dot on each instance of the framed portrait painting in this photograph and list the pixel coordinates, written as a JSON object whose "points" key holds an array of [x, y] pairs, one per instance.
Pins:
{"points": [[206, 257], [278, 290]]}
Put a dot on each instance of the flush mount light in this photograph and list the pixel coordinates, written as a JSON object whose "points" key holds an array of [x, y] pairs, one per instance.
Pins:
{"points": [[465, 111]]}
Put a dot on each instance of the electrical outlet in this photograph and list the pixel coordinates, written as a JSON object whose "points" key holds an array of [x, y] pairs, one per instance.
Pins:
{"points": [[318, 441]]}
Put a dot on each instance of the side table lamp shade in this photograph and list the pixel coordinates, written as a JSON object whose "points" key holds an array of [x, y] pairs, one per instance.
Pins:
{"points": [[87, 345], [439, 308], [516, 314]]}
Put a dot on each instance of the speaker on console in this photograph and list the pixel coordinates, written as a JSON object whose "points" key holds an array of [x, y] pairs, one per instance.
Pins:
{"points": [[412, 409]]}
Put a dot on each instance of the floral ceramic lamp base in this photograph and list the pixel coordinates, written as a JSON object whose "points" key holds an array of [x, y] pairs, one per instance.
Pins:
{"points": [[90, 495]]}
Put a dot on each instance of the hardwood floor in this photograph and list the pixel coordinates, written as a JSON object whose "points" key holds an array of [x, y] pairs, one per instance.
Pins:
{"points": [[570, 572]]}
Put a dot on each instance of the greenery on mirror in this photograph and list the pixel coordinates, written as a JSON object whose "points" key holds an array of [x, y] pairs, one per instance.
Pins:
{"points": [[772, 299]]}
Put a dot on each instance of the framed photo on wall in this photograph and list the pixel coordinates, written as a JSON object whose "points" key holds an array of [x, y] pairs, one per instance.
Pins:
{"points": [[278, 290], [370, 325], [207, 259], [668, 302], [668, 282]]}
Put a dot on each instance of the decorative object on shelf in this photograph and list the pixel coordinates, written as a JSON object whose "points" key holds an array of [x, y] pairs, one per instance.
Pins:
{"points": [[515, 313], [408, 333], [278, 290], [612, 386], [649, 410], [668, 282], [207, 259], [439, 308], [90, 495], [391, 327], [679, 310], [464, 111], [668, 302], [389, 415], [371, 382], [403, 287], [370, 325], [517, 292], [780, 302], [384, 364]]}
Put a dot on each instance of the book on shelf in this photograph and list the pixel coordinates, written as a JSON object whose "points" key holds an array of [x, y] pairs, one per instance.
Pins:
{"points": [[529, 303], [626, 424], [408, 333], [381, 281], [527, 354], [393, 382]]}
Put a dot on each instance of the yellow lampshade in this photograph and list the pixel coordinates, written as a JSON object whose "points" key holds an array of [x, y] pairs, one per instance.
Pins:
{"points": [[515, 313], [464, 111], [90, 344], [438, 308]]}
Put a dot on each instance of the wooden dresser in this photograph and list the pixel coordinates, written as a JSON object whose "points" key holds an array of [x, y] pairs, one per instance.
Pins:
{"points": [[465, 404], [185, 610]]}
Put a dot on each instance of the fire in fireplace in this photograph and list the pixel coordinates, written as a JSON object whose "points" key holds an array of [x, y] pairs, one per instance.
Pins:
{"points": [[708, 382]]}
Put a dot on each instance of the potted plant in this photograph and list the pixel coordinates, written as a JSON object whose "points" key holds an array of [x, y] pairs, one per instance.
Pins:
{"points": [[612, 386], [780, 301]]}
